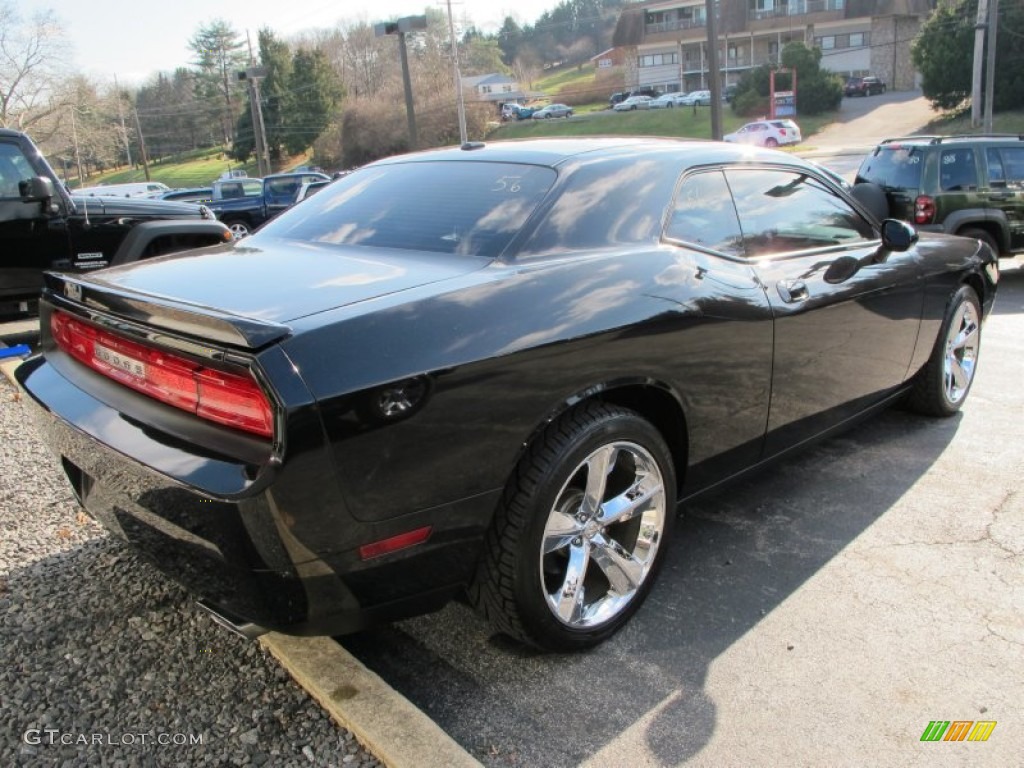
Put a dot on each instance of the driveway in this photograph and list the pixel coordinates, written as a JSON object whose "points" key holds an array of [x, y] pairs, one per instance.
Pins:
{"points": [[864, 121]]}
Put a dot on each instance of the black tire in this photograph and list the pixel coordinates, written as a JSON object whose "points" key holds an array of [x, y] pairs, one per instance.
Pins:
{"points": [[985, 237], [544, 526], [771, 143], [942, 386]]}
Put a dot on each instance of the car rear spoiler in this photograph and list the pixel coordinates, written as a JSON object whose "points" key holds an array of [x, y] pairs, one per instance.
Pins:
{"points": [[159, 312]]}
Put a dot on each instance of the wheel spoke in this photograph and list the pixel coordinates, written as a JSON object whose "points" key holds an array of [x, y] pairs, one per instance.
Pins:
{"points": [[623, 570], [961, 377], [598, 466], [967, 338], [570, 595], [637, 498], [560, 530]]}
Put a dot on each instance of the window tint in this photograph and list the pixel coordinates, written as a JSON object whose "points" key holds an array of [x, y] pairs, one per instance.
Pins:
{"points": [[1013, 165], [893, 166], [783, 211], [957, 172], [14, 167], [606, 203], [996, 174], [472, 208], [704, 214]]}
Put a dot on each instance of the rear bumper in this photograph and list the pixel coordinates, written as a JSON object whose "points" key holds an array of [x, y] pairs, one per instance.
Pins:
{"points": [[281, 554]]}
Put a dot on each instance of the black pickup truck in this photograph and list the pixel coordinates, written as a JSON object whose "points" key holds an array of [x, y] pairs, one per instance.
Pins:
{"points": [[243, 204], [44, 227]]}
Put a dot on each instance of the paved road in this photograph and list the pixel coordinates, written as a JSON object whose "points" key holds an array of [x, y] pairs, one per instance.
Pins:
{"points": [[821, 613]]}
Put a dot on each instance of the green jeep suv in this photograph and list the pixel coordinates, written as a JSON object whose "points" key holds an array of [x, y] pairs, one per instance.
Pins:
{"points": [[962, 185]]}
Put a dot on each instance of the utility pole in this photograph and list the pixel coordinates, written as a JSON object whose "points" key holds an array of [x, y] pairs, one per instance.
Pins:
{"points": [[979, 57], [252, 76], [990, 69], [463, 136], [142, 144], [124, 131], [714, 74]]}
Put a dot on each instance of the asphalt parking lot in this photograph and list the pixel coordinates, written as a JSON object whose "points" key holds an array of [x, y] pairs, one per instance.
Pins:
{"points": [[821, 613]]}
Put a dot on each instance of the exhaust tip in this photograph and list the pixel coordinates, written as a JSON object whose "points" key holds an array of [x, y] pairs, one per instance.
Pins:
{"points": [[239, 626]]}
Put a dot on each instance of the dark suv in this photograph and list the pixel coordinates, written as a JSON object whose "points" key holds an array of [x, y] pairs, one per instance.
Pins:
{"points": [[863, 86], [43, 227], [961, 185]]}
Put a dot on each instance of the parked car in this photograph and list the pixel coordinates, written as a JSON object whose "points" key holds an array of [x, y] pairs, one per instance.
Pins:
{"points": [[309, 188], [617, 97], [505, 386], [767, 133], [696, 98], [43, 226], [190, 195], [552, 110], [863, 86], [666, 100], [244, 204], [633, 103], [963, 185]]}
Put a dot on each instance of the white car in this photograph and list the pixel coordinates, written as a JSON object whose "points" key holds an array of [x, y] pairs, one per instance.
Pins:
{"points": [[767, 133], [699, 98], [667, 100], [633, 102]]}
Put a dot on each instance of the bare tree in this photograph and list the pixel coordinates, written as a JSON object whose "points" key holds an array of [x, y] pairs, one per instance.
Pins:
{"points": [[31, 64]]}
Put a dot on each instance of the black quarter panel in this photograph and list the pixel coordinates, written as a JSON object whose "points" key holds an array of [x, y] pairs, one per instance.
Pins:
{"points": [[512, 346]]}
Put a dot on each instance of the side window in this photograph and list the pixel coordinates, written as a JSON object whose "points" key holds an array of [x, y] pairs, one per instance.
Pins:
{"points": [[996, 175], [782, 211], [957, 172], [14, 167], [1013, 166], [704, 215]]}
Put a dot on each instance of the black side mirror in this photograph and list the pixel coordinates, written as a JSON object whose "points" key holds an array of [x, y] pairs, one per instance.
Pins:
{"points": [[36, 189], [897, 235]]}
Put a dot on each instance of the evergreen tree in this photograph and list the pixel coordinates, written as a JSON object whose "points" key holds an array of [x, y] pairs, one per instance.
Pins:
{"points": [[315, 92], [219, 53]]}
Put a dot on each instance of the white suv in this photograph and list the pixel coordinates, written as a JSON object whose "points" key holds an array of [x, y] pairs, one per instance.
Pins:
{"points": [[767, 133]]}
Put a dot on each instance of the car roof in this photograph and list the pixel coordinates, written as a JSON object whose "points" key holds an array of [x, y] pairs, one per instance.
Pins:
{"points": [[556, 152]]}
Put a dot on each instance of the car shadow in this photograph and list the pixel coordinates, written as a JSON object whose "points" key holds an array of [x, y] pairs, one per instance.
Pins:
{"points": [[1010, 295], [736, 556]]}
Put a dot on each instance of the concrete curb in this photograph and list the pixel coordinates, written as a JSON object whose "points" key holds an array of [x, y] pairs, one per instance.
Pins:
{"points": [[394, 730], [7, 368]]}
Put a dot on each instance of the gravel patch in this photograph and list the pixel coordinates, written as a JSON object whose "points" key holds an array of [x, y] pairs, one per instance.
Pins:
{"points": [[104, 661]]}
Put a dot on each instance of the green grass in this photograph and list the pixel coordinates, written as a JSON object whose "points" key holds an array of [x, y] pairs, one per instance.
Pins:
{"points": [[554, 82], [1003, 122], [680, 122], [194, 169]]}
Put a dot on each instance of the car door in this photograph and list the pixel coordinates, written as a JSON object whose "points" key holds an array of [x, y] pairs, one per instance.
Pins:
{"points": [[847, 312], [1005, 189], [32, 238]]}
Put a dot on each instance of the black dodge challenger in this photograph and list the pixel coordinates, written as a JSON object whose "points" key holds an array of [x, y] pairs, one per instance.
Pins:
{"points": [[496, 370]]}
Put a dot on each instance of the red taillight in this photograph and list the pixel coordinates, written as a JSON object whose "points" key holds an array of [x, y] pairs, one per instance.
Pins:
{"points": [[924, 210], [232, 399]]}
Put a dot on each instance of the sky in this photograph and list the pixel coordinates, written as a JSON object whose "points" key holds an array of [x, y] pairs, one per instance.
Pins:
{"points": [[133, 39]]}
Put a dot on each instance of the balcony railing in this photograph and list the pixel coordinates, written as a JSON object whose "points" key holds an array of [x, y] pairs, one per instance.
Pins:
{"points": [[674, 26], [799, 8]]}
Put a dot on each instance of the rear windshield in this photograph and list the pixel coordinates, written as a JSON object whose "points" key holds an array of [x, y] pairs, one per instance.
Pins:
{"points": [[893, 167], [465, 207]]}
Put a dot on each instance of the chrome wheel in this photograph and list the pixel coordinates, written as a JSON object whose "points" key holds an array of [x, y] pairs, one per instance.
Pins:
{"points": [[238, 230], [961, 352], [602, 535]]}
